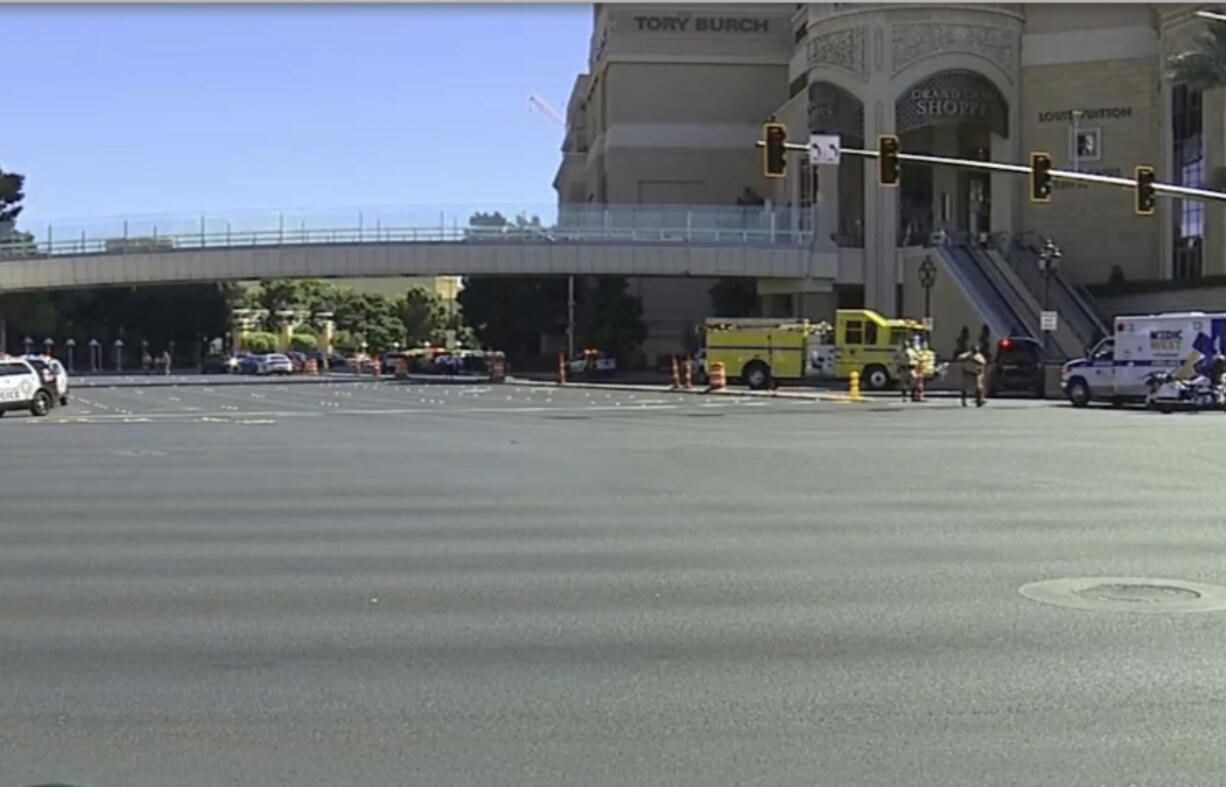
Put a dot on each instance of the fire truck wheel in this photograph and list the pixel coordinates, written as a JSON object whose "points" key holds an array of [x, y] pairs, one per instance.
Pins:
{"points": [[876, 378], [756, 375]]}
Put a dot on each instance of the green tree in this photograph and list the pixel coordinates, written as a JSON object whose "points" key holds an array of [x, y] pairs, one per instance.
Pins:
{"points": [[17, 245], [371, 316], [11, 195], [260, 342], [494, 219], [312, 295], [1203, 67], [612, 318], [511, 313], [303, 342], [424, 314]]}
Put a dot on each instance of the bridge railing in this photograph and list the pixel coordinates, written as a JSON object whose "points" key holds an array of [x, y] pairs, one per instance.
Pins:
{"points": [[699, 224]]}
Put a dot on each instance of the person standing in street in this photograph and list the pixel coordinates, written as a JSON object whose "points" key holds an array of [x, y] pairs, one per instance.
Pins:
{"points": [[974, 366], [904, 363], [918, 369], [1217, 376]]}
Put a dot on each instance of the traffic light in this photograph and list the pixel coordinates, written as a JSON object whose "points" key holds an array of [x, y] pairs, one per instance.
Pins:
{"points": [[887, 160], [1040, 177], [774, 154], [1145, 191]]}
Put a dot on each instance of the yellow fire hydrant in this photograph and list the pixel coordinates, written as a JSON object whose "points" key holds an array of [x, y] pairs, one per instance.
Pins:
{"points": [[853, 387]]}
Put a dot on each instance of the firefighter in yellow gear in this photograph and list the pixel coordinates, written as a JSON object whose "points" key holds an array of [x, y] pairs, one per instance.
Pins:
{"points": [[904, 370]]}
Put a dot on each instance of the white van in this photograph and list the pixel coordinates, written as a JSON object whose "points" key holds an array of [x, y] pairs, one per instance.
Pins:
{"points": [[22, 388], [1115, 370]]}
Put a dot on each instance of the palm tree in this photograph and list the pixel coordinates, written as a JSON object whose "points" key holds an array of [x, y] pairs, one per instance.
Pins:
{"points": [[1204, 66]]}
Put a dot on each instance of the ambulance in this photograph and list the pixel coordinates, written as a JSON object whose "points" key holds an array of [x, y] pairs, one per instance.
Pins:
{"points": [[1117, 367], [757, 350]]}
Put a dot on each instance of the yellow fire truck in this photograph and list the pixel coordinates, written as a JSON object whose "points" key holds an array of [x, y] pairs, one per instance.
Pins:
{"points": [[755, 350]]}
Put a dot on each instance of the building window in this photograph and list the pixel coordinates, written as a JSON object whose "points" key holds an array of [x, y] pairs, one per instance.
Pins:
{"points": [[1189, 170], [808, 194]]}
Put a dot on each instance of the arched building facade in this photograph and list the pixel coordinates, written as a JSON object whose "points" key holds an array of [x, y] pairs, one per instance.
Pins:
{"points": [[1084, 82]]}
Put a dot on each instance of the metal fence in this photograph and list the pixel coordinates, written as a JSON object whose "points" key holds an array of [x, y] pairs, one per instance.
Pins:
{"points": [[699, 224]]}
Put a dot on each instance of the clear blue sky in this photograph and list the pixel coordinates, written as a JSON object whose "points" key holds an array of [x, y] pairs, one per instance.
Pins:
{"points": [[119, 110]]}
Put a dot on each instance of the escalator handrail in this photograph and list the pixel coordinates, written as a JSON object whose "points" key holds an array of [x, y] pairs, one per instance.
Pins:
{"points": [[1091, 324], [1020, 300], [1004, 317], [1011, 312]]}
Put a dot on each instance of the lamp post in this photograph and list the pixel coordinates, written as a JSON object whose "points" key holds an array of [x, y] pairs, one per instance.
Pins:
{"points": [[927, 278], [48, 344], [71, 346], [95, 355], [1049, 261], [119, 355]]}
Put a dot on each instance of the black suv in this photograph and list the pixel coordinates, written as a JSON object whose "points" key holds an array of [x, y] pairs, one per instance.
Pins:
{"points": [[1016, 367]]}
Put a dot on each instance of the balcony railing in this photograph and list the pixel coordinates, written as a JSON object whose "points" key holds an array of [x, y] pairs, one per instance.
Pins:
{"points": [[597, 224]]}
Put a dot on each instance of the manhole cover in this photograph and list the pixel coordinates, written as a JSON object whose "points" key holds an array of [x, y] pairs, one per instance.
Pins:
{"points": [[1128, 594]]}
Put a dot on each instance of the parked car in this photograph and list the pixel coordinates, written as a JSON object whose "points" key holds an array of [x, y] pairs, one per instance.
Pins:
{"points": [[275, 363], [23, 387], [249, 364], [1017, 366]]}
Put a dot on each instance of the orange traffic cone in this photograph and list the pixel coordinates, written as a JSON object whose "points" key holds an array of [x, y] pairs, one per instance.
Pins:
{"points": [[685, 374]]}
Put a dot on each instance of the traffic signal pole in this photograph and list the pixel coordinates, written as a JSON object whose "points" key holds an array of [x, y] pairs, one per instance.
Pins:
{"points": [[1167, 189]]}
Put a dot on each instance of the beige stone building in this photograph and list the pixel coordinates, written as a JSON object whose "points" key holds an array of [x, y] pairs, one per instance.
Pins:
{"points": [[675, 96]]}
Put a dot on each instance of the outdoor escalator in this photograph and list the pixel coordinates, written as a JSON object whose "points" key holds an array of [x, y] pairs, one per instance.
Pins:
{"points": [[1002, 310], [1076, 308]]}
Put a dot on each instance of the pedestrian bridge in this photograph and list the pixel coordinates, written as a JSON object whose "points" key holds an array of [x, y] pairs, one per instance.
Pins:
{"points": [[629, 240]]}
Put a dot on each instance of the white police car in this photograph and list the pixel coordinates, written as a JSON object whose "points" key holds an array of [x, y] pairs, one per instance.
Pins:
{"points": [[23, 388], [46, 366]]}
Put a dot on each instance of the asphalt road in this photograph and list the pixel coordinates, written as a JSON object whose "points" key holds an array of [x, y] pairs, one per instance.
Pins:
{"points": [[327, 584]]}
